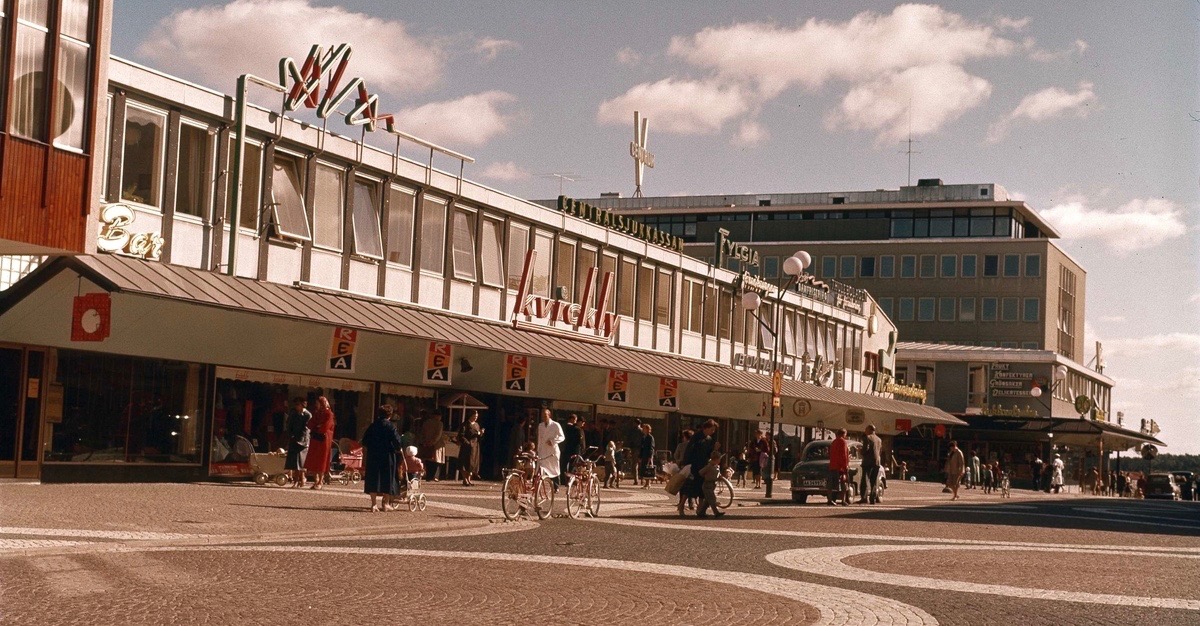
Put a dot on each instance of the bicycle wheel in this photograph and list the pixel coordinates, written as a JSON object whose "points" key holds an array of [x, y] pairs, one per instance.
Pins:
{"points": [[576, 498], [593, 498], [724, 493], [543, 498], [510, 496]]}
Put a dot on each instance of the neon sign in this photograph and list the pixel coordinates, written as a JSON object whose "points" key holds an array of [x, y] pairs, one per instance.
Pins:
{"points": [[114, 236], [642, 158], [565, 318], [330, 65], [619, 223]]}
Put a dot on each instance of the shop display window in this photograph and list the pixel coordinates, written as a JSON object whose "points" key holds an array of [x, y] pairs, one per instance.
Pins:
{"points": [[118, 409]]}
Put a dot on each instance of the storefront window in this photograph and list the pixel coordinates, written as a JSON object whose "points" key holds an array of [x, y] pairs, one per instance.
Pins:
{"points": [[367, 239], [491, 252], [464, 245], [401, 203], [433, 234], [195, 154], [287, 195], [142, 163], [119, 409], [328, 207], [518, 247]]}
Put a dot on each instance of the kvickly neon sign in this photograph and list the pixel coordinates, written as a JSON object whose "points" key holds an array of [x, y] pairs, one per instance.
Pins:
{"points": [[567, 319]]}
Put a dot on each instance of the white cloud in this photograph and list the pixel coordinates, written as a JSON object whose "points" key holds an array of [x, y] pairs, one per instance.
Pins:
{"points": [[919, 100], [215, 44], [490, 48], [628, 56], [507, 171], [1174, 344], [684, 107], [471, 120], [1076, 49], [1137, 225], [1113, 318], [1046, 104], [750, 133], [1195, 298]]}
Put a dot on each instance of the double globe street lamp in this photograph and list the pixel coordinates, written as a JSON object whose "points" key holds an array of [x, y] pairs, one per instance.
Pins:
{"points": [[793, 269]]}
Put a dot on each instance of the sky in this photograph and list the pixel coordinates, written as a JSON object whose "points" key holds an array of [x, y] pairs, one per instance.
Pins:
{"points": [[1087, 111]]}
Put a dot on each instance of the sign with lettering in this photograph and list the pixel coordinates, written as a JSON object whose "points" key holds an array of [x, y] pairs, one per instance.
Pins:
{"points": [[91, 317], [727, 248], [801, 408], [516, 373], [637, 149], [437, 363], [619, 223], [903, 424], [565, 319], [854, 417], [668, 393], [304, 88], [617, 389], [115, 236], [341, 350], [761, 363]]}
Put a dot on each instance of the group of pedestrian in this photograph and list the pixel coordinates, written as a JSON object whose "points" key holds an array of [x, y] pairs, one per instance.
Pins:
{"points": [[700, 457], [310, 441]]}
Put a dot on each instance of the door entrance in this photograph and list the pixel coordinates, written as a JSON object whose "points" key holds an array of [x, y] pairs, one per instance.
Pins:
{"points": [[21, 386]]}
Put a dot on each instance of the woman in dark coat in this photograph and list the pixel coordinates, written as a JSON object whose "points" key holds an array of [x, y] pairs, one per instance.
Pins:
{"points": [[380, 442], [320, 439], [297, 432], [646, 456], [468, 447]]}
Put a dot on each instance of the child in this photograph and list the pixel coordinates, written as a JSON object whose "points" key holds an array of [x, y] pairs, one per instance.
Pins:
{"points": [[412, 466], [740, 466], [611, 478], [710, 473]]}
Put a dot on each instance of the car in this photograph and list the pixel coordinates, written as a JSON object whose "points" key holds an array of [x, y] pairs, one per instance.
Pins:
{"points": [[1162, 486], [810, 475], [1187, 485]]}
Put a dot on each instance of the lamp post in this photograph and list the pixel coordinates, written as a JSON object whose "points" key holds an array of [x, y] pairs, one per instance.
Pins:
{"points": [[793, 268], [1060, 374]]}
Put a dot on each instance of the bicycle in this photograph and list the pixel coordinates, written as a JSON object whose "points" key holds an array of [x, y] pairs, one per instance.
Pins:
{"points": [[525, 488], [724, 489], [583, 487]]}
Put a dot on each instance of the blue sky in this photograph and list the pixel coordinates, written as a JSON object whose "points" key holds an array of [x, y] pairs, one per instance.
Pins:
{"points": [[1087, 111]]}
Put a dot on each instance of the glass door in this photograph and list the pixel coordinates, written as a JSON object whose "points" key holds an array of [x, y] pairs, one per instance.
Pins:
{"points": [[10, 408], [21, 386]]}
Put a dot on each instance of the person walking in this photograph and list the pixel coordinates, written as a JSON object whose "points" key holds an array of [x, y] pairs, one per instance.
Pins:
{"points": [[646, 456], [872, 463], [320, 427], [296, 429], [975, 476], [955, 466], [468, 448], [549, 436], [381, 442], [699, 453], [680, 458], [1056, 476], [839, 469], [431, 445], [612, 479], [572, 440]]}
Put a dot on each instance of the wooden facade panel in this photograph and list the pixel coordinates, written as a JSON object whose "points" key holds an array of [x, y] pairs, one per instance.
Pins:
{"points": [[43, 195]]}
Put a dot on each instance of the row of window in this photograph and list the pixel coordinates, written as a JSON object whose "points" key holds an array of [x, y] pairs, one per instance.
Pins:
{"points": [[927, 266], [962, 309]]}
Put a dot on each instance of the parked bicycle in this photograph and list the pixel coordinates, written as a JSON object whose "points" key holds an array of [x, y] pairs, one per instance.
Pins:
{"points": [[583, 487], [724, 488], [526, 489]]}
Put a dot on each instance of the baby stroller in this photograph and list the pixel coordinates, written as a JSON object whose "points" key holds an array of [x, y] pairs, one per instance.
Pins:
{"points": [[410, 483], [345, 462]]}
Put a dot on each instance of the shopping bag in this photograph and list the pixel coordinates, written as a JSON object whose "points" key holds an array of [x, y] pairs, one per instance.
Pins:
{"points": [[675, 483]]}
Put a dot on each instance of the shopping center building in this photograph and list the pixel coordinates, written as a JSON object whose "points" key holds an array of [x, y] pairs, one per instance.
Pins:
{"points": [[222, 280]]}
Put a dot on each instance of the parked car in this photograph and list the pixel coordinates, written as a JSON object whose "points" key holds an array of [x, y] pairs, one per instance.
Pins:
{"points": [[810, 476], [1187, 485], [1162, 486]]}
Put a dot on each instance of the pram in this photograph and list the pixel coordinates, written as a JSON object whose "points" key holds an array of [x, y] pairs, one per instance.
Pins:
{"points": [[346, 462], [268, 467], [410, 492]]}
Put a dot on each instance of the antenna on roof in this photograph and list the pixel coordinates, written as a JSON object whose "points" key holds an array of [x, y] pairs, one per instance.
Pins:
{"points": [[562, 176], [909, 150]]}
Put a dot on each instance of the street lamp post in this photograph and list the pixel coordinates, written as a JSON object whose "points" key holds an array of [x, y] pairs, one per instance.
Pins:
{"points": [[793, 268]]}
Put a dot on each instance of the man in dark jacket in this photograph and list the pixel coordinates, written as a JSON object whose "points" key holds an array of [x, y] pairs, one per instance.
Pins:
{"points": [[698, 455], [570, 445], [872, 460]]}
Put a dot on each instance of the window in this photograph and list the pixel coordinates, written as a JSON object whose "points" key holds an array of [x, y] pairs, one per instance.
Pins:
{"points": [[1012, 265], [1008, 344], [906, 309], [608, 265], [928, 267], [518, 247], [142, 163], [968, 265], [543, 245], [866, 267], [72, 88], [949, 265], [663, 299], [988, 314], [462, 252], [925, 308], [329, 205], [645, 292], [847, 269], [287, 198], [977, 386], [946, 308], [191, 182], [625, 288], [30, 104], [908, 266], [1032, 307], [564, 270], [885, 305], [587, 261], [828, 267], [887, 266], [433, 236], [942, 226], [1008, 309], [695, 295], [770, 267], [367, 239], [991, 265], [710, 311], [1029, 345], [966, 310], [1033, 265], [401, 204]]}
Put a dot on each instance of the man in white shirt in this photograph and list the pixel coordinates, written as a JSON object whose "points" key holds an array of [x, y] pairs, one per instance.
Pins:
{"points": [[549, 435]]}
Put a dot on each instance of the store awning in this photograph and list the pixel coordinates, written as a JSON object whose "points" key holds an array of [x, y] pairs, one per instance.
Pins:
{"points": [[462, 401], [1068, 430], [210, 289]]}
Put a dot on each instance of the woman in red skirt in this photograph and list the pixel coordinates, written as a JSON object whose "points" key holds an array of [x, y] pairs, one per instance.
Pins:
{"points": [[321, 429]]}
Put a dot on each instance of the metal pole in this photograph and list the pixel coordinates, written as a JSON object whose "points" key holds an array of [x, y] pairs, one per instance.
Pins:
{"points": [[239, 155], [769, 474]]}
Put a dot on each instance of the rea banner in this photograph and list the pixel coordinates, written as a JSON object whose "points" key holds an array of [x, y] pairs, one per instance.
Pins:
{"points": [[516, 373], [618, 386], [341, 350], [668, 393], [437, 363]]}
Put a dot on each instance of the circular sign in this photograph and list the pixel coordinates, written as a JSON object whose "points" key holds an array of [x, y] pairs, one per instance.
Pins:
{"points": [[801, 408], [1149, 451], [1083, 404]]}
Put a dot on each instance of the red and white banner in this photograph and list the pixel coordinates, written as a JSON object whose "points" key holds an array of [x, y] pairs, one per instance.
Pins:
{"points": [[341, 350], [516, 373], [91, 317], [437, 363], [668, 393], [618, 386]]}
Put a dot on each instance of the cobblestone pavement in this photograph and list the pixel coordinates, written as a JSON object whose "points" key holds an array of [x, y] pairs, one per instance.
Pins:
{"points": [[238, 553]]}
